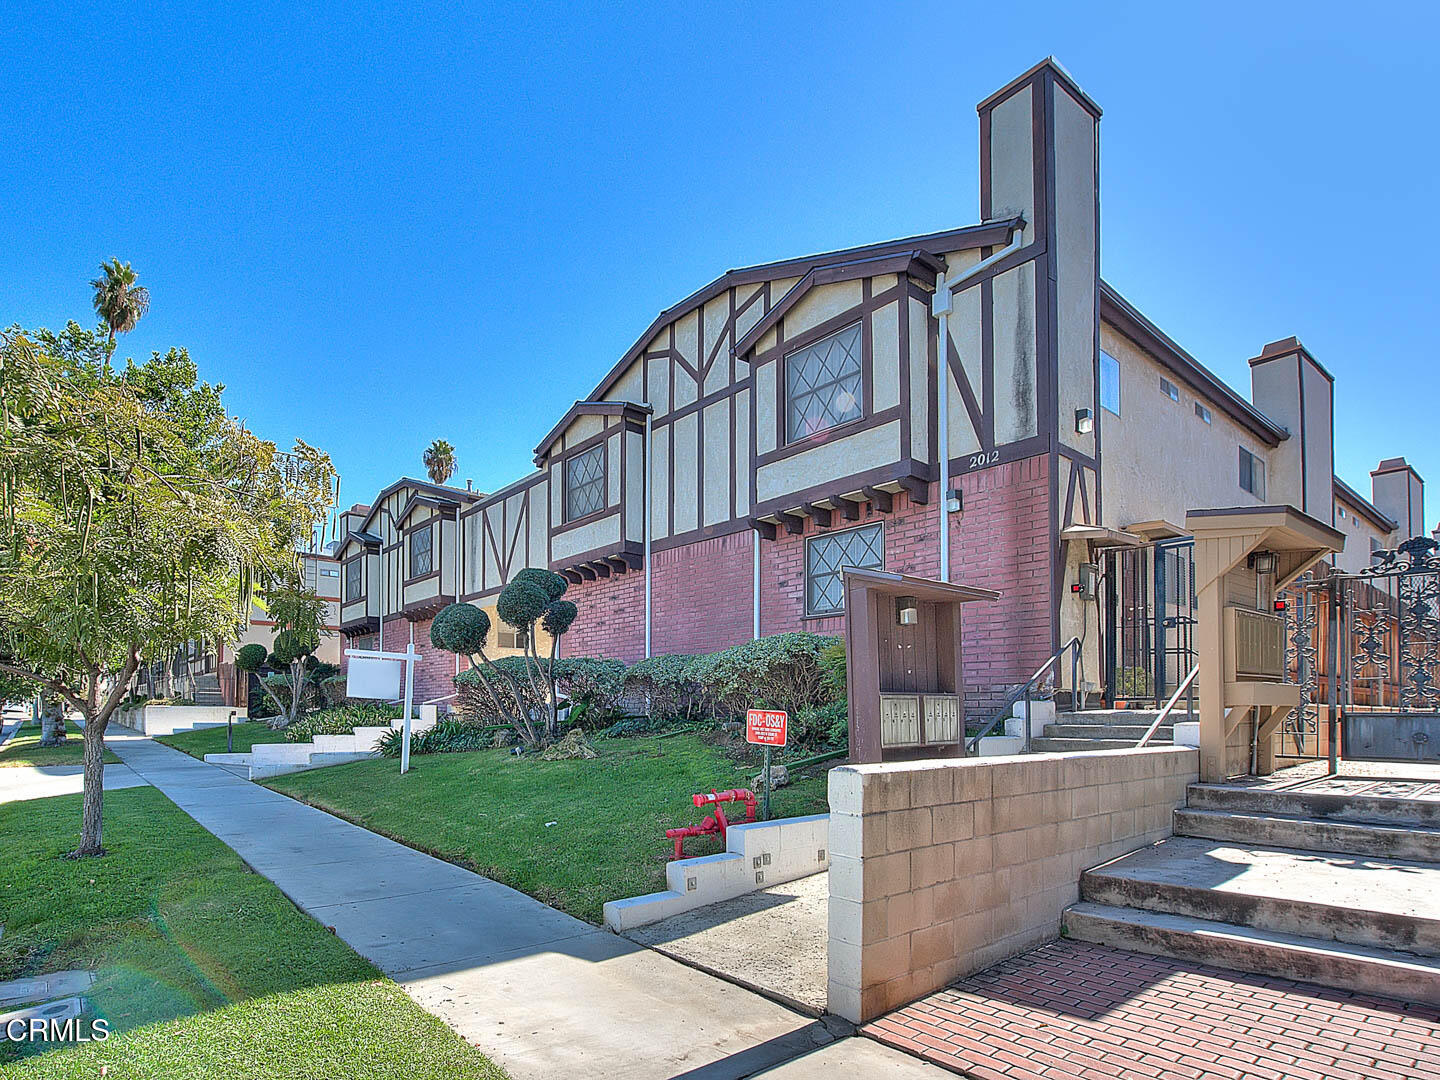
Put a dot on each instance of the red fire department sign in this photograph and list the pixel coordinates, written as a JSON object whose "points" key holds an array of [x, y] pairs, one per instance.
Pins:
{"points": [[766, 727]]}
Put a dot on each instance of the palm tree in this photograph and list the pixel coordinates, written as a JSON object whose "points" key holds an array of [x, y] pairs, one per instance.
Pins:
{"points": [[119, 302], [440, 461]]}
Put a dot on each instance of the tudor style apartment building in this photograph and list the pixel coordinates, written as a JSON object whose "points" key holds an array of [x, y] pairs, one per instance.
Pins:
{"points": [[785, 421]]}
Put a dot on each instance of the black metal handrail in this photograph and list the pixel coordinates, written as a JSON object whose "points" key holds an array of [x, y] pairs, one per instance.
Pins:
{"points": [[1027, 690]]}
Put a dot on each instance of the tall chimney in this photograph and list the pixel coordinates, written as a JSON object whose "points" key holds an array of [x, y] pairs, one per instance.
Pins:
{"points": [[1397, 490], [1290, 386]]}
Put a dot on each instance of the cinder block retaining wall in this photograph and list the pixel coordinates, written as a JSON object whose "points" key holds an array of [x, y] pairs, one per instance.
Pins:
{"points": [[939, 869]]}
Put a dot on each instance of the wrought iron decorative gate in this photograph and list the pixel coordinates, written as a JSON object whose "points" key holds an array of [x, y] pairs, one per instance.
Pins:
{"points": [[1149, 598], [1390, 626]]}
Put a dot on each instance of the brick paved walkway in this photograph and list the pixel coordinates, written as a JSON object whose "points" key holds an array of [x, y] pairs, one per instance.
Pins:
{"points": [[1074, 1010]]}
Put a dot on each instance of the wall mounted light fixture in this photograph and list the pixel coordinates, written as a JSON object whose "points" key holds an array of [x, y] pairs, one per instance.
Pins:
{"points": [[907, 610], [1084, 421], [1264, 562], [954, 501]]}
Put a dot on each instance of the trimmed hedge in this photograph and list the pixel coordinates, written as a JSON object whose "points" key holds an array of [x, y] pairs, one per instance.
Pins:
{"points": [[783, 671], [670, 684]]}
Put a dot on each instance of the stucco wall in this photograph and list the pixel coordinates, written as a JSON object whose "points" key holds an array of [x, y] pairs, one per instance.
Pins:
{"points": [[941, 868], [1161, 460]]}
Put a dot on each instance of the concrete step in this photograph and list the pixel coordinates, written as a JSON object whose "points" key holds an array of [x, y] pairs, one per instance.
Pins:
{"points": [[1391, 809], [1107, 731], [1414, 842], [1122, 717], [1330, 963], [1381, 903], [1064, 746]]}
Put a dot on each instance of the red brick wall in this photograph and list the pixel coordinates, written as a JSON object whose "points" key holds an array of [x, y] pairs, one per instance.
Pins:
{"points": [[1002, 540], [435, 670], [702, 597]]}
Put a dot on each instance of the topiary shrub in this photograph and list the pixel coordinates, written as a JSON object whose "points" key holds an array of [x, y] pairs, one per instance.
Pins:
{"points": [[250, 657], [461, 628], [525, 693]]}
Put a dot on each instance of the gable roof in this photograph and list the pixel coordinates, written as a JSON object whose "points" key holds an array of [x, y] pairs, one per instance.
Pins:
{"points": [[1364, 506], [1126, 318], [901, 262], [439, 490], [986, 234]]}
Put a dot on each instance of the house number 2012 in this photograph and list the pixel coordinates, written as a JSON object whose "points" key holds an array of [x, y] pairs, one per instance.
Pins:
{"points": [[979, 461]]}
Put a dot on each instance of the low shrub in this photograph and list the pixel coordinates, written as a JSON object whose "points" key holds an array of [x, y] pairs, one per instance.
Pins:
{"points": [[342, 720], [669, 684], [593, 687], [448, 736], [783, 671], [477, 704]]}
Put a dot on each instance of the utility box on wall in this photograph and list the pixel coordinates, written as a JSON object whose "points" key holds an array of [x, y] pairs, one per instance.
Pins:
{"points": [[903, 666]]}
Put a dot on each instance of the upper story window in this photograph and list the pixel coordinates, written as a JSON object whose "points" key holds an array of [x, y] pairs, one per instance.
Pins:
{"points": [[1252, 473], [422, 560], [827, 555], [354, 576], [1109, 383], [1169, 389], [824, 384], [329, 571], [585, 483], [1202, 412]]}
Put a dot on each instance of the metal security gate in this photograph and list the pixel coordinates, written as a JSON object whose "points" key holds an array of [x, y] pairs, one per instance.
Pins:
{"points": [[1149, 603], [1389, 631]]}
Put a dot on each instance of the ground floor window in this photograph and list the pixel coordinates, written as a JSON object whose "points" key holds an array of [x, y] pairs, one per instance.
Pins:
{"points": [[827, 555]]}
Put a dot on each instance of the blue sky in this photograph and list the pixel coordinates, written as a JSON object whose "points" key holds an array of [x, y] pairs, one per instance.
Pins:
{"points": [[381, 224]]}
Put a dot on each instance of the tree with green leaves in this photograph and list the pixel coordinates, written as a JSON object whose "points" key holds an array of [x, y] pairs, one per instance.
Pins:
{"points": [[534, 597], [440, 461], [119, 301], [135, 514], [298, 613]]}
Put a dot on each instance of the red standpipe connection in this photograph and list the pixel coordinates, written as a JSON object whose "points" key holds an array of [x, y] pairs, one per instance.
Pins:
{"points": [[716, 823]]}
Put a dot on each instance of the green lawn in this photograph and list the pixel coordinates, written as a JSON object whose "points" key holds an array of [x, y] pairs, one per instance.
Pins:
{"points": [[25, 749], [204, 741], [488, 811], [205, 968]]}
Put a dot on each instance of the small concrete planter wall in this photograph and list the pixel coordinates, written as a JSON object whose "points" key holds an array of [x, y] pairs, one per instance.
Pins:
{"points": [[1000, 745], [168, 719], [1187, 734], [1041, 713], [757, 855]]}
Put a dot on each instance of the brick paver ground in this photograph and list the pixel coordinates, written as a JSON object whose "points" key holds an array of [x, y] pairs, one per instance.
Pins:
{"points": [[1074, 1010]]}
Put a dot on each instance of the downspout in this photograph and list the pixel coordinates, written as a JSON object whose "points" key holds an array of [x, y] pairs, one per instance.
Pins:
{"points": [[755, 587], [647, 513], [941, 305], [459, 567]]}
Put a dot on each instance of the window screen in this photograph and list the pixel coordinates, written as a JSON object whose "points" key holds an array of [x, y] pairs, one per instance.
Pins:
{"points": [[824, 384], [421, 561], [585, 483], [826, 556]]}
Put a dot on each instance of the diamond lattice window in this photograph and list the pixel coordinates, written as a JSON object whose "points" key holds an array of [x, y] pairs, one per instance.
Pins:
{"points": [[421, 548], [353, 569], [827, 556], [824, 384], [585, 483]]}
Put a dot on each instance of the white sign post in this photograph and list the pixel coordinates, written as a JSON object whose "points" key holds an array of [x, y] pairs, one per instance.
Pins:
{"points": [[372, 673]]}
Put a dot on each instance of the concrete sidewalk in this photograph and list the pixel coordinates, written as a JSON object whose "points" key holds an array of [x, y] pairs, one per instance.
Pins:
{"points": [[19, 783], [543, 993]]}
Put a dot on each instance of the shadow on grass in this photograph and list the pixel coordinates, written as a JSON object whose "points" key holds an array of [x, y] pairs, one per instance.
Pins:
{"points": [[200, 963]]}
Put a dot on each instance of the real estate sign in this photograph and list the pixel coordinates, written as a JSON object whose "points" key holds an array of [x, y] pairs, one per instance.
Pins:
{"points": [[372, 677], [766, 727]]}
